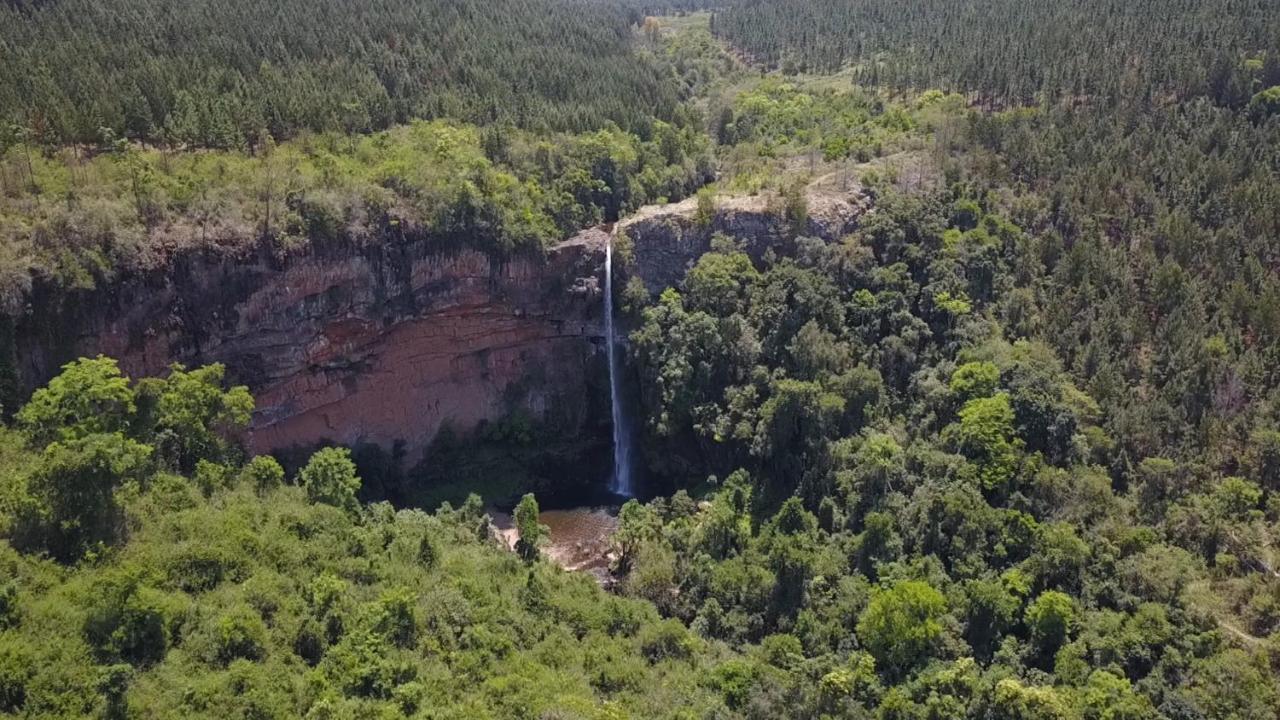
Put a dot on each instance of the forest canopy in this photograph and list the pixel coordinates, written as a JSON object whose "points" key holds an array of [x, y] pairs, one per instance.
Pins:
{"points": [[1020, 51], [220, 73]]}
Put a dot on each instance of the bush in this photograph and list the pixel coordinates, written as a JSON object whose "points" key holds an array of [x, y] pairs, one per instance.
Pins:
{"points": [[395, 618], [8, 604], [666, 640], [16, 671], [128, 622], [330, 478], [706, 209], [201, 567], [240, 634], [263, 473]]}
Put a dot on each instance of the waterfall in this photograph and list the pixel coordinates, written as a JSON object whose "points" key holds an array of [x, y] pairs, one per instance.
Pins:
{"points": [[621, 484]]}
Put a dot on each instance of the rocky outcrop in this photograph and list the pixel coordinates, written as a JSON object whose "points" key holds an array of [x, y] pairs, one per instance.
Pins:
{"points": [[382, 344], [667, 239]]}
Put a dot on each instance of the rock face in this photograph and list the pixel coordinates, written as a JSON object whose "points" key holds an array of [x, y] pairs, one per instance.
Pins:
{"points": [[387, 341], [380, 344], [668, 239]]}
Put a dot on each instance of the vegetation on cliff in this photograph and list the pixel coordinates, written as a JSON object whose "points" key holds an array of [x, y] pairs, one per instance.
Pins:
{"points": [[1009, 450], [76, 221]]}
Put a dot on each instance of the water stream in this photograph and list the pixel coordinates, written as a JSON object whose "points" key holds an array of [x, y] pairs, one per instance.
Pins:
{"points": [[621, 483]]}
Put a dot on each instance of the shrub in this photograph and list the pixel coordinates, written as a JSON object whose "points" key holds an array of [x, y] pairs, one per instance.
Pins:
{"points": [[666, 640], [263, 473], [128, 622], [240, 634], [330, 478], [16, 671]]}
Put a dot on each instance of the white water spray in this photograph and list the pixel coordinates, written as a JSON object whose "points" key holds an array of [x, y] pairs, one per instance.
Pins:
{"points": [[621, 484]]}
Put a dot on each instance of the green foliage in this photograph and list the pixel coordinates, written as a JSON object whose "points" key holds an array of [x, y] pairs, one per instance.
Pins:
{"points": [[996, 47], [666, 640], [1265, 104], [975, 380], [88, 397], [1015, 701], [191, 415], [705, 213], [239, 634], [428, 182], [985, 434], [1051, 617], [17, 671], [330, 67], [530, 532], [901, 624], [238, 601], [1017, 431], [329, 477], [263, 473], [74, 488], [128, 621], [795, 209]]}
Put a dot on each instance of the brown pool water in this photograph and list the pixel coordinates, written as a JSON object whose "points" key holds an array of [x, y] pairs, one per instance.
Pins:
{"points": [[578, 537]]}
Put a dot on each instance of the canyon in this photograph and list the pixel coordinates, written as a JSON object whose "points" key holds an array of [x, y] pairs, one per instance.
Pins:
{"points": [[389, 341]]}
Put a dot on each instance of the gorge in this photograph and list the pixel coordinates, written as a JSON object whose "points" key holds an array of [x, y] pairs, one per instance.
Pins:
{"points": [[386, 342]]}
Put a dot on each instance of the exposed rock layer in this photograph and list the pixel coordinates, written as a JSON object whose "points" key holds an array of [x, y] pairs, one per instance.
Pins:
{"points": [[390, 340], [377, 344]]}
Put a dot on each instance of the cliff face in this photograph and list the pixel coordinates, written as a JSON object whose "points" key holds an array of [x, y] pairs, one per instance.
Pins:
{"points": [[377, 344], [389, 341]]}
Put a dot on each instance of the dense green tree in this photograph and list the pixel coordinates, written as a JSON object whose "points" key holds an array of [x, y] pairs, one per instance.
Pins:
{"points": [[901, 624], [1050, 617], [89, 396], [330, 477], [332, 67], [191, 416], [530, 532], [1007, 52], [74, 487], [1005, 451], [985, 434]]}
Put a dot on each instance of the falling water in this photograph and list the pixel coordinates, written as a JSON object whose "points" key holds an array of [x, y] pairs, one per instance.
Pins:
{"points": [[621, 484]]}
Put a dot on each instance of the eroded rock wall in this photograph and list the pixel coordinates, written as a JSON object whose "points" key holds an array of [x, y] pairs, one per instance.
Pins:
{"points": [[375, 344], [391, 339]]}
